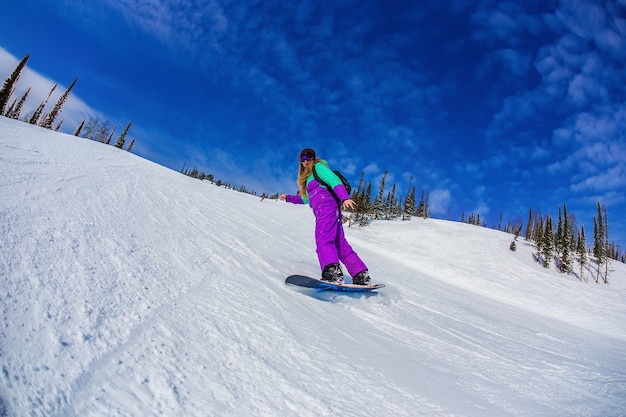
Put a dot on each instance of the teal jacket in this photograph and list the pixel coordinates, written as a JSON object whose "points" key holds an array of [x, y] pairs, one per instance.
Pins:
{"points": [[326, 175]]}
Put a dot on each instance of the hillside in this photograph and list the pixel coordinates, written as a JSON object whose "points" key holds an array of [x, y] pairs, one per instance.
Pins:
{"points": [[128, 289]]}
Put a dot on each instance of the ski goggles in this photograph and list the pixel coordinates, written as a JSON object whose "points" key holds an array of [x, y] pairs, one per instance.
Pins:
{"points": [[305, 158]]}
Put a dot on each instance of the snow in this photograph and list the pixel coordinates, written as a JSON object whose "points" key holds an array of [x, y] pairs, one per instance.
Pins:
{"points": [[128, 289]]}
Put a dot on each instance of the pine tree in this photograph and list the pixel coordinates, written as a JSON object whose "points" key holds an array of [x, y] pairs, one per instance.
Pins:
{"points": [[122, 139], [606, 246], [558, 237], [539, 230], [399, 210], [10, 109], [548, 243], [581, 249], [107, 141], [130, 147], [595, 244], [409, 203], [379, 202], [368, 207], [528, 235], [359, 188], [598, 241], [390, 202], [565, 262], [79, 128], [34, 119], [51, 117], [513, 245], [15, 112], [10, 83], [421, 207]]}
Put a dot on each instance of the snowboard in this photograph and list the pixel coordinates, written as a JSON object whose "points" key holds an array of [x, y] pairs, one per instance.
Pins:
{"points": [[308, 282]]}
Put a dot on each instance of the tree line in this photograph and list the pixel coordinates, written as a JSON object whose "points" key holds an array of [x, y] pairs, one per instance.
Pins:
{"points": [[202, 176], [552, 244], [386, 206], [93, 129], [565, 243]]}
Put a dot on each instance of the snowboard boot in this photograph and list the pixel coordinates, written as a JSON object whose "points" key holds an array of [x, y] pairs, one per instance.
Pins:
{"points": [[362, 278], [332, 273]]}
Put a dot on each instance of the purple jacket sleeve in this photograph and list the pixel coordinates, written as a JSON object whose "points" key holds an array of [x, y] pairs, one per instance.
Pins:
{"points": [[341, 192], [295, 199]]}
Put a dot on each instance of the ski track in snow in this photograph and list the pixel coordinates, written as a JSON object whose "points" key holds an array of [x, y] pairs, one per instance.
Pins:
{"points": [[129, 289]]}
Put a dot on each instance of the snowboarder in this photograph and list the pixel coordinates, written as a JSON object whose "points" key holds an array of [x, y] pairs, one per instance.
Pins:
{"points": [[332, 246]]}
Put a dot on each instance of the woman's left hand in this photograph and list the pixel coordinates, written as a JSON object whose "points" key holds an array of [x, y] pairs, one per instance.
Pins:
{"points": [[349, 203]]}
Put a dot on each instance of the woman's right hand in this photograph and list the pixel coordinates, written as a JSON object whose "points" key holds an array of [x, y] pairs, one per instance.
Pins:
{"points": [[283, 197]]}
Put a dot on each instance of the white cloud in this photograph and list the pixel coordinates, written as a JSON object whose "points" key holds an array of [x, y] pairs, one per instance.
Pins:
{"points": [[590, 21], [371, 169], [611, 179], [582, 89], [439, 201]]}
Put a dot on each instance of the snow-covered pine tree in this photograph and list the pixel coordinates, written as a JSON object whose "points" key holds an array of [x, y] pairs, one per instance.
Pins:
{"points": [[79, 128], [427, 206], [379, 208], [390, 202], [122, 139], [421, 207], [547, 249], [15, 112], [9, 84], [359, 188], [34, 119], [110, 137], [367, 206], [566, 239], [558, 237], [399, 208], [539, 229], [528, 234], [409, 202], [599, 248], [51, 117], [607, 257], [581, 250]]}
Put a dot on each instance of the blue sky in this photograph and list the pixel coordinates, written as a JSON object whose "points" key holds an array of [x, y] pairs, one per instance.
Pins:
{"points": [[491, 106]]}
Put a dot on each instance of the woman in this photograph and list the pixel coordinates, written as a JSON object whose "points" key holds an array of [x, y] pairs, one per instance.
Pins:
{"points": [[332, 246]]}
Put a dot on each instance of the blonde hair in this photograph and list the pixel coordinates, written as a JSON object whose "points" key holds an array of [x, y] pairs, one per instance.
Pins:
{"points": [[303, 174]]}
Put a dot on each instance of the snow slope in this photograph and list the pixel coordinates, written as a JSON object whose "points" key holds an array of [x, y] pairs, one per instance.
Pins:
{"points": [[128, 289]]}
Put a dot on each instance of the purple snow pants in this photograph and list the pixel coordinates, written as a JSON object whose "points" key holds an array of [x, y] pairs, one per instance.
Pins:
{"points": [[332, 246]]}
